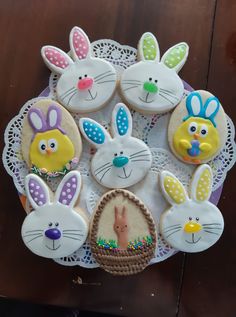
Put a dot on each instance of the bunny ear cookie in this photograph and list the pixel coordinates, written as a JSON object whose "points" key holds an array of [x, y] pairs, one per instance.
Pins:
{"points": [[51, 142], [86, 83], [192, 223], [123, 233], [198, 128], [121, 160], [153, 85], [54, 228]]}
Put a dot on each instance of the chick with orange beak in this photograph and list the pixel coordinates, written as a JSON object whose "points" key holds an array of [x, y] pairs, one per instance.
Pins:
{"points": [[197, 138]]}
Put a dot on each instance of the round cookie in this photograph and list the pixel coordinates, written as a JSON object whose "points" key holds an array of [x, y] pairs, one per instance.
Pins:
{"points": [[51, 142], [55, 228], [191, 224], [198, 128], [86, 83], [122, 233], [152, 85], [122, 160]]}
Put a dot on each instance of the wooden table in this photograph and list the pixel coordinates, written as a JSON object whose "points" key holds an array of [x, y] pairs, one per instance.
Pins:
{"points": [[201, 284]]}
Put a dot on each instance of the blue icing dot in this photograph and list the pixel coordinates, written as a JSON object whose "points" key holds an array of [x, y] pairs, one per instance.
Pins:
{"points": [[94, 132], [122, 122]]}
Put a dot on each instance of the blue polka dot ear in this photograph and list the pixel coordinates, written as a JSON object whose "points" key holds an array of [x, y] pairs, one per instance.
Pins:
{"points": [[121, 120], [93, 132]]}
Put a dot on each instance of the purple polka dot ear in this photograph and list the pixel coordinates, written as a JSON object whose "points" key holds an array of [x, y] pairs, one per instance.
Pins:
{"points": [[68, 191], [36, 190]]}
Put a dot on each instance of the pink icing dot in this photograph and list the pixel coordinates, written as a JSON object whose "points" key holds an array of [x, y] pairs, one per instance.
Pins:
{"points": [[55, 57]]}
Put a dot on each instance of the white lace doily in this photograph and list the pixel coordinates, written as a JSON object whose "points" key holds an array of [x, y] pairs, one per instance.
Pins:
{"points": [[152, 129]]}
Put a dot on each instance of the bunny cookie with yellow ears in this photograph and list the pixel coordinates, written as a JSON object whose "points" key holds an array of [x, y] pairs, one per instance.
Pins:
{"points": [[86, 83], [153, 85], [192, 224]]}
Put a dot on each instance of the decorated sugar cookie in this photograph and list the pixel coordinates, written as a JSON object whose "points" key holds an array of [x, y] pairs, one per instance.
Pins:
{"points": [[153, 85], [51, 142], [123, 233], [192, 224], [198, 128], [54, 228], [86, 83], [121, 160]]}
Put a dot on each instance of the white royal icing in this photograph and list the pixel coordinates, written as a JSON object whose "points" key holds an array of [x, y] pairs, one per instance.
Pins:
{"points": [[53, 229], [192, 224], [86, 83], [121, 160], [153, 85]]}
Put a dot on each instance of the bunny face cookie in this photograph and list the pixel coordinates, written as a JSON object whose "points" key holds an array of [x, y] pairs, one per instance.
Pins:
{"points": [[86, 83], [191, 224], [123, 233], [153, 85], [121, 160], [198, 128], [51, 143], [54, 229]]}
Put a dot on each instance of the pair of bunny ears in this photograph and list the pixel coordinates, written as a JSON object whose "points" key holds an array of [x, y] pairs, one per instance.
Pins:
{"points": [[196, 108], [58, 61], [66, 194], [174, 58], [201, 186], [52, 121], [96, 134]]}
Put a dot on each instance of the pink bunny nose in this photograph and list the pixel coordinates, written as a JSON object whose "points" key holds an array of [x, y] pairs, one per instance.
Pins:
{"points": [[85, 83]]}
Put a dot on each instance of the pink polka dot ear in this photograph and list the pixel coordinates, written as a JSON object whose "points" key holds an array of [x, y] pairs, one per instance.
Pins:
{"points": [[69, 188], [56, 59], [79, 43]]}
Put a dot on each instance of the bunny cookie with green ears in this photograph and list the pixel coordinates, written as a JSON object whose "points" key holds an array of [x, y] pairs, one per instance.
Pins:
{"points": [[152, 85], [192, 224]]}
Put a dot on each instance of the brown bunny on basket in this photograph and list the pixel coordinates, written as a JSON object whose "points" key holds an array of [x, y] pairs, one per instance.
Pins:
{"points": [[121, 228]]}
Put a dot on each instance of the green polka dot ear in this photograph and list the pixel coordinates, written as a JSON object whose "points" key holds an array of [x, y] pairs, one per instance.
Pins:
{"points": [[152, 85], [192, 223]]}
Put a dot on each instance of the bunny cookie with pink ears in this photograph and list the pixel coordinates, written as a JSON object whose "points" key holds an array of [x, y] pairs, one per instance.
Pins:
{"points": [[86, 83], [55, 228]]}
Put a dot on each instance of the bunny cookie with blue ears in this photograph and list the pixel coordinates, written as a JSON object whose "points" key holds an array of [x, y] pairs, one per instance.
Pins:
{"points": [[122, 160], [86, 83], [55, 228], [152, 85], [198, 128], [191, 224]]}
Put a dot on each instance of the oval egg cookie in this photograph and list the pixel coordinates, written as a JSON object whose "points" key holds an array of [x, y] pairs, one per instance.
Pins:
{"points": [[198, 128], [51, 142], [123, 233]]}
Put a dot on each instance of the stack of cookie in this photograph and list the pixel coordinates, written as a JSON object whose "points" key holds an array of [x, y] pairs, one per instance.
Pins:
{"points": [[121, 231]]}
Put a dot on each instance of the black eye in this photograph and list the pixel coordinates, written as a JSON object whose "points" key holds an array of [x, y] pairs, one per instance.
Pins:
{"points": [[121, 152], [50, 224], [150, 78], [117, 227], [156, 80], [85, 75], [125, 226], [115, 154], [190, 218], [52, 145], [193, 129], [56, 224], [43, 147], [80, 77], [197, 219], [203, 131]]}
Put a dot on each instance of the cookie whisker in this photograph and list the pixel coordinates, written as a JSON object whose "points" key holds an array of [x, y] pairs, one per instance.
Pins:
{"points": [[71, 98], [140, 160], [130, 88], [211, 232], [73, 238], [172, 229], [102, 74], [103, 77], [104, 174], [69, 93], [166, 99], [39, 236], [107, 81], [168, 94], [109, 166], [137, 153], [101, 167], [177, 230]]}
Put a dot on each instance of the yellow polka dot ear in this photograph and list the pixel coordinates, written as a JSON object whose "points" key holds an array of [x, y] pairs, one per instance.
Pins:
{"points": [[172, 188], [201, 185]]}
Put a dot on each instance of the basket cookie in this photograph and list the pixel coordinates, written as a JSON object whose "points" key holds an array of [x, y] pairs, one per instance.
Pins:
{"points": [[55, 228], [152, 85], [86, 83], [123, 233], [122, 160], [51, 142], [198, 128], [192, 224]]}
